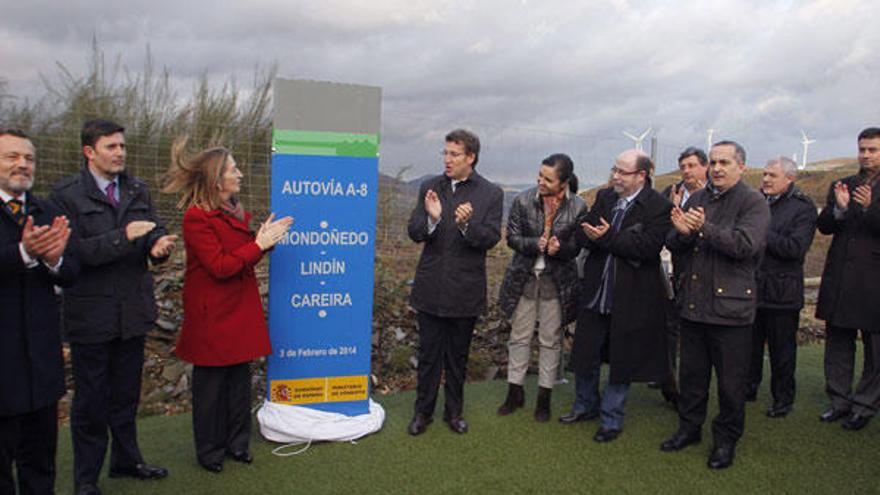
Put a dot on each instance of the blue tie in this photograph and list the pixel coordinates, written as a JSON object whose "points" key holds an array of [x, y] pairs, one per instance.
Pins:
{"points": [[602, 302]]}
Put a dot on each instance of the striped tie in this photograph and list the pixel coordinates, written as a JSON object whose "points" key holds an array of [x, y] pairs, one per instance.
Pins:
{"points": [[17, 210]]}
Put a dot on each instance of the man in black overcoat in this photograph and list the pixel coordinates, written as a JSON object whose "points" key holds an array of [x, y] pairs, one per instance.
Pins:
{"points": [[622, 317], [849, 296], [781, 283], [458, 218], [33, 260], [110, 308]]}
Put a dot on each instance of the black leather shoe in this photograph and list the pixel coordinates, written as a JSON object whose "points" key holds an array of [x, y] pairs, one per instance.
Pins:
{"points": [[679, 440], [721, 457], [779, 410], [575, 417], [243, 456], [832, 415], [214, 467], [87, 489], [419, 424], [139, 471], [457, 424], [856, 422], [605, 435]]}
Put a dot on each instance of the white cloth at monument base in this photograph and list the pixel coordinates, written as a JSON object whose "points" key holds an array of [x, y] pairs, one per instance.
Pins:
{"points": [[288, 424]]}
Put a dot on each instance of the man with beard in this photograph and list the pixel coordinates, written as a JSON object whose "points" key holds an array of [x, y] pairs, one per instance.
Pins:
{"points": [[622, 297], [849, 294], [33, 239]]}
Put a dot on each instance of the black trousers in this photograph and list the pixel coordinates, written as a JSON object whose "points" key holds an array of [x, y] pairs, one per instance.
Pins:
{"points": [[107, 380], [29, 441], [221, 410], [444, 344], [840, 357], [778, 328], [726, 349]]}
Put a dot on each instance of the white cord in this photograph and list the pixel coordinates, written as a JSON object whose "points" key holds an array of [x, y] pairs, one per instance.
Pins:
{"points": [[279, 450]]}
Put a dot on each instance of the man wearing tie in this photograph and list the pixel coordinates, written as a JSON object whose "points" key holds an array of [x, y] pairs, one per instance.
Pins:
{"points": [[110, 308], [458, 218], [622, 312], [33, 239]]}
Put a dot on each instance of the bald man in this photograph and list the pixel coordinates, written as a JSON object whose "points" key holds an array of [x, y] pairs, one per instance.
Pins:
{"points": [[622, 296]]}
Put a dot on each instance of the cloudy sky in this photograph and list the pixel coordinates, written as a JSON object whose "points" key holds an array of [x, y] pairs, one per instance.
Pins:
{"points": [[530, 77]]}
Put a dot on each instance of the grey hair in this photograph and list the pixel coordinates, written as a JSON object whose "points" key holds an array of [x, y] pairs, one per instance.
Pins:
{"points": [[789, 167]]}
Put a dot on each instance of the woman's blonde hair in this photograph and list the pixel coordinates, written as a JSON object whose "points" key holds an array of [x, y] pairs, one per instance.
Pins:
{"points": [[196, 177]]}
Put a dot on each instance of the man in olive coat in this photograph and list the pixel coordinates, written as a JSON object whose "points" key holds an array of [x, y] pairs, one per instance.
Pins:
{"points": [[33, 259], [849, 297], [110, 308], [458, 218], [623, 293], [717, 242]]}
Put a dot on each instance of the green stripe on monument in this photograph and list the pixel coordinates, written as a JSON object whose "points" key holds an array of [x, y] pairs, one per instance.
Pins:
{"points": [[325, 143]]}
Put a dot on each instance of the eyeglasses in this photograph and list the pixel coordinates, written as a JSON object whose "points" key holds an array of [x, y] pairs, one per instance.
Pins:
{"points": [[620, 171], [453, 154]]}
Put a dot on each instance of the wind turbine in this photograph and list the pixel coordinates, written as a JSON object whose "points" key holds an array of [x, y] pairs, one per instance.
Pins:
{"points": [[709, 133], [638, 140], [806, 142]]}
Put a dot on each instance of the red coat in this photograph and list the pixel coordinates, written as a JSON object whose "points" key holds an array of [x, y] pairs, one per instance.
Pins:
{"points": [[223, 320]]}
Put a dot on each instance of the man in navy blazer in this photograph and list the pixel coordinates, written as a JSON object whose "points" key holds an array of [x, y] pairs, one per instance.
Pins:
{"points": [[33, 240]]}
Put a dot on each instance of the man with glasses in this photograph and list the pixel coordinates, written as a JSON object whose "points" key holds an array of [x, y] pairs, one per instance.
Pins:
{"points": [[458, 218], [717, 241], [622, 295], [33, 240]]}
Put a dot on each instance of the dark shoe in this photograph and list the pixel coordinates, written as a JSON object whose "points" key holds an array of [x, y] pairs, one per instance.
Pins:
{"points": [[679, 440], [779, 410], [419, 424], [577, 417], [140, 471], [87, 489], [832, 415], [605, 435], [856, 422], [457, 424], [214, 467], [243, 456], [542, 408], [722, 457], [751, 396], [516, 397]]}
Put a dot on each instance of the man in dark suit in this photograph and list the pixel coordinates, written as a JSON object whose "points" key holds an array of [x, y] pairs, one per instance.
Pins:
{"points": [[622, 298], [849, 293], [110, 307], [717, 242], [33, 239], [458, 218], [781, 283]]}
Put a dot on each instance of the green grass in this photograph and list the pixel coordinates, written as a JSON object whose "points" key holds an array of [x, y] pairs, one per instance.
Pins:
{"points": [[515, 454]]}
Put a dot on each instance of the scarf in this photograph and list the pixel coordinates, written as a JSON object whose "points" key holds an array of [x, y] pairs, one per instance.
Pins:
{"points": [[233, 207]]}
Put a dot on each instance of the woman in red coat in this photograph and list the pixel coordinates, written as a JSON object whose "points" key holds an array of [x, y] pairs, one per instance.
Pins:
{"points": [[224, 327]]}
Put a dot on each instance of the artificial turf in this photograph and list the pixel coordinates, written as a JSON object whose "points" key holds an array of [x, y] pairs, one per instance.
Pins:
{"points": [[514, 454]]}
